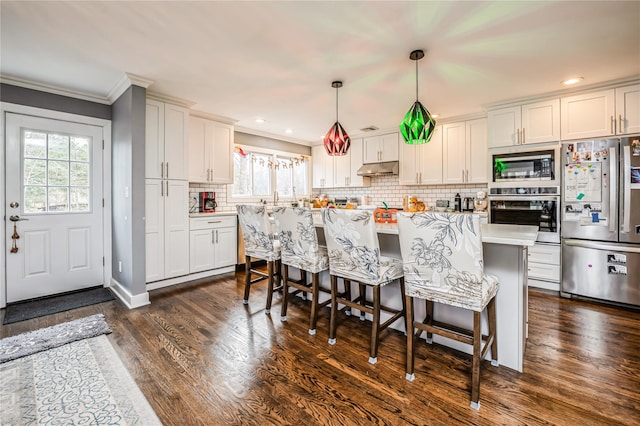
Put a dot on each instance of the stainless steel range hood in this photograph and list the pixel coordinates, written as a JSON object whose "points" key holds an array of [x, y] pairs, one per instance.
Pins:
{"points": [[379, 169]]}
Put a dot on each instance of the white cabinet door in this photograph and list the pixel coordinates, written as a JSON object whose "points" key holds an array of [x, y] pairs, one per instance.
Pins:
{"points": [[221, 152], [176, 228], [589, 115], [389, 147], [342, 169], [380, 148], [477, 170], [356, 155], [541, 122], [154, 229], [176, 137], [199, 170], [201, 250], [453, 144], [210, 151], [322, 164], [628, 109], [372, 147], [410, 163], [154, 140], [225, 249], [430, 159], [504, 127]]}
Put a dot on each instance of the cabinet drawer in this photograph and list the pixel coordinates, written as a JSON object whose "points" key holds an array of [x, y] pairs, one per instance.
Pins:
{"points": [[547, 254], [211, 222], [544, 271]]}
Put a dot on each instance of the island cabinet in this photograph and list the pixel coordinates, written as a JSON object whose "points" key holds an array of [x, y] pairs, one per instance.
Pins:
{"points": [[210, 151], [464, 152], [381, 148], [544, 266], [166, 191], [422, 164], [601, 113], [212, 243], [530, 123]]}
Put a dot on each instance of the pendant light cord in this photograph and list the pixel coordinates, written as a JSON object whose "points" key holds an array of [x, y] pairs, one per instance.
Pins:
{"points": [[337, 104], [417, 80]]}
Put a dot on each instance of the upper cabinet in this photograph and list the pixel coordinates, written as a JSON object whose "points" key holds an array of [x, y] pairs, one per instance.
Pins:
{"points": [[602, 113], [382, 148], [166, 135], [346, 167], [422, 164], [210, 151], [322, 167], [536, 122], [464, 146]]}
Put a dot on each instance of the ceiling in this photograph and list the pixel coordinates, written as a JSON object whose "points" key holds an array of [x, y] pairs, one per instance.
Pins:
{"points": [[276, 60]]}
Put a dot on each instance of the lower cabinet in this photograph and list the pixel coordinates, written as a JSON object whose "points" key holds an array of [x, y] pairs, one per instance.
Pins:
{"points": [[544, 266], [212, 242]]}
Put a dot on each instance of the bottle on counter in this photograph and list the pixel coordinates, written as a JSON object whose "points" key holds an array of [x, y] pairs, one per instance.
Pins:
{"points": [[457, 203]]}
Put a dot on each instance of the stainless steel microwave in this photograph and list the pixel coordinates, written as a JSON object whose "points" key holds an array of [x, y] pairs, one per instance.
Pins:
{"points": [[525, 168]]}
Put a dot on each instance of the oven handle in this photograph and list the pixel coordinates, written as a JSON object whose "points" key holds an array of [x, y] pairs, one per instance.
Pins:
{"points": [[525, 198]]}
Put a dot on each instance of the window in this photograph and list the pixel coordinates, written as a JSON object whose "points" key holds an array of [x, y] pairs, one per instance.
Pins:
{"points": [[55, 172], [260, 172]]}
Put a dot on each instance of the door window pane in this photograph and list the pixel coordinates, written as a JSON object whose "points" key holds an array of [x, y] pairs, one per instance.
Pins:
{"points": [[35, 199], [58, 199], [79, 174], [58, 147], [58, 173], [35, 172], [35, 144], [79, 148], [79, 199]]}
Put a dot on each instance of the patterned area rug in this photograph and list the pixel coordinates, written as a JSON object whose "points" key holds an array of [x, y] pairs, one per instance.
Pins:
{"points": [[83, 382]]}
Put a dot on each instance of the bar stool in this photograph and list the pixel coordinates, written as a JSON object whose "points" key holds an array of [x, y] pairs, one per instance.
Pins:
{"points": [[442, 261], [354, 255], [259, 242], [299, 248]]}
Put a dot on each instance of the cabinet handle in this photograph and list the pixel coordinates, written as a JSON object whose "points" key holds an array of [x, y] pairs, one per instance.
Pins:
{"points": [[213, 239], [613, 123], [518, 134], [420, 177], [462, 171], [162, 170], [467, 179], [216, 236], [215, 221], [523, 137], [620, 129], [161, 188], [417, 181], [167, 170], [167, 188]]}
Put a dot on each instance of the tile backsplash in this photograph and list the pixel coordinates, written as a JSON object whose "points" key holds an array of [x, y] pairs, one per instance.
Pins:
{"points": [[383, 188]]}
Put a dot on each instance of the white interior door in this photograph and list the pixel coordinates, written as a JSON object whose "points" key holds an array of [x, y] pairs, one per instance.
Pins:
{"points": [[54, 201]]}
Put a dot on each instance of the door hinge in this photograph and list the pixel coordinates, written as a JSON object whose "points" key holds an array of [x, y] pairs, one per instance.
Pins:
{"points": [[102, 260], [103, 144], [103, 202]]}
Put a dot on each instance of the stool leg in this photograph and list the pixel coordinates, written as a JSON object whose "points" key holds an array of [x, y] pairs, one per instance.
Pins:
{"points": [[404, 302], [303, 281], [375, 325], [270, 279], [247, 278], [429, 320], [475, 368], [334, 310], [410, 337], [347, 295], [363, 299], [493, 332], [285, 292], [315, 294]]}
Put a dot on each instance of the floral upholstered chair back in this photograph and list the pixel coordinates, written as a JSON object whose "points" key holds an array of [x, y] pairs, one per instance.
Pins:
{"points": [[256, 232], [353, 246], [442, 259], [298, 239]]}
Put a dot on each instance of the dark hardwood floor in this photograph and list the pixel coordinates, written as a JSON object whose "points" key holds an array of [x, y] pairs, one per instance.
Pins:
{"points": [[201, 357]]}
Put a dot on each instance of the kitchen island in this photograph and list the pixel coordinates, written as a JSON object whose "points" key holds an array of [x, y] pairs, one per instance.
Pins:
{"points": [[505, 256]]}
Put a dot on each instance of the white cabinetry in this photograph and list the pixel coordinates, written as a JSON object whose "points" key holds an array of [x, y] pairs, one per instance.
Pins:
{"points": [[464, 146], [544, 266], [322, 165], [422, 164], [212, 242], [346, 167], [379, 149], [166, 191], [602, 113], [537, 122], [210, 151], [166, 228]]}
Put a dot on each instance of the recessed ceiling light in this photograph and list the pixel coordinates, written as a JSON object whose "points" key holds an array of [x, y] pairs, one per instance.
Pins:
{"points": [[435, 115], [259, 120], [288, 131], [573, 80]]}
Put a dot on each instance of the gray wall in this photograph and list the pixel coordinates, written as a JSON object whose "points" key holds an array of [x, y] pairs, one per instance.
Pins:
{"points": [[128, 239], [34, 98], [263, 142]]}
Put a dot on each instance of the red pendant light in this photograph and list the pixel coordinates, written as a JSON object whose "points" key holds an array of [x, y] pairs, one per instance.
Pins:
{"points": [[337, 141]]}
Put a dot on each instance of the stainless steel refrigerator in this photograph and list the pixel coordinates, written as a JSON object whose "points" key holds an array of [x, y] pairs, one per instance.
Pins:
{"points": [[600, 223]]}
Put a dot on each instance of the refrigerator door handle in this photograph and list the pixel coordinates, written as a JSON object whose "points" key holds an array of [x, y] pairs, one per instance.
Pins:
{"points": [[601, 246], [613, 187], [626, 190]]}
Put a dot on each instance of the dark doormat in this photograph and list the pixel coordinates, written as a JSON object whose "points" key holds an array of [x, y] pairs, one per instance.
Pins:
{"points": [[22, 311]]}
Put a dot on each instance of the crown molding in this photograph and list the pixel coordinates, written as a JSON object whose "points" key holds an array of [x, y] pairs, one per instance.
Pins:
{"points": [[170, 99], [214, 117], [271, 136], [56, 90], [127, 80]]}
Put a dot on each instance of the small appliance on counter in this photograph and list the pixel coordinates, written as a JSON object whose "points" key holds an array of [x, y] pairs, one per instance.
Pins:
{"points": [[207, 202], [480, 203]]}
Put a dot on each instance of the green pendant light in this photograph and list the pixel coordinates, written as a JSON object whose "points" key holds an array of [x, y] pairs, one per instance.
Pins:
{"points": [[418, 125]]}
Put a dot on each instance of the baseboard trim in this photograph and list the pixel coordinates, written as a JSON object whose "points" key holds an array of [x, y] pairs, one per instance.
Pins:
{"points": [[547, 285], [184, 278], [130, 301]]}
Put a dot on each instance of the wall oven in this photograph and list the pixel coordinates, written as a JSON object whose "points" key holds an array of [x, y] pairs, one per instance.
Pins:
{"points": [[530, 168], [538, 206]]}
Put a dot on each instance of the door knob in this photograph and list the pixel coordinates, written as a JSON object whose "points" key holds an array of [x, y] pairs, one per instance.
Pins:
{"points": [[14, 205], [16, 218]]}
